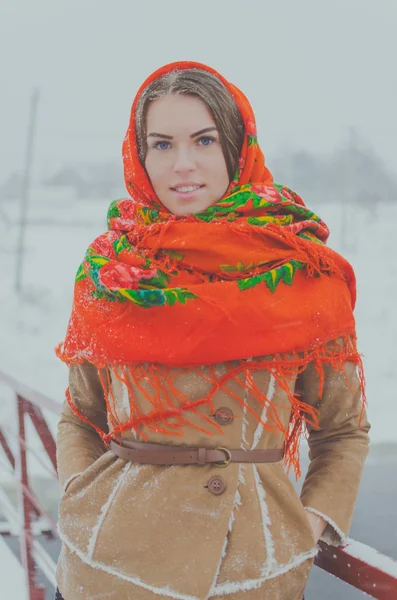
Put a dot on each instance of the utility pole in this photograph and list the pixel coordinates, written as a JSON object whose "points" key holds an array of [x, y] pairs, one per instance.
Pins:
{"points": [[26, 189]]}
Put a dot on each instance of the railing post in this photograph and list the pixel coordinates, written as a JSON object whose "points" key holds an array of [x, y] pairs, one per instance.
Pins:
{"points": [[35, 593], [7, 449], [44, 432]]}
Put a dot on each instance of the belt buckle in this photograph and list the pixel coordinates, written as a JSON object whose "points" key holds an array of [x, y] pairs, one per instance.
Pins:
{"points": [[227, 460]]}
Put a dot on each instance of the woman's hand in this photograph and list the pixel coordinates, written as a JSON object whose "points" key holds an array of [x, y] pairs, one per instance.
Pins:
{"points": [[317, 523]]}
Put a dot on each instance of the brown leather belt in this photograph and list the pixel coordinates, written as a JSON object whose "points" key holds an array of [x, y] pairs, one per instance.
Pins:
{"points": [[161, 454]]}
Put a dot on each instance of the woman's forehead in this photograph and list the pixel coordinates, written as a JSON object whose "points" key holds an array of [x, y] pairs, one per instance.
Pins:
{"points": [[178, 112]]}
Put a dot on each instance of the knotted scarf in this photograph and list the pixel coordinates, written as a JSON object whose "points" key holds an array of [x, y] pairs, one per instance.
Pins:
{"points": [[249, 279]]}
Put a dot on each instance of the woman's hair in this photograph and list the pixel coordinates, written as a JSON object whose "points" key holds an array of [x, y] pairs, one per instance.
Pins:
{"points": [[208, 88]]}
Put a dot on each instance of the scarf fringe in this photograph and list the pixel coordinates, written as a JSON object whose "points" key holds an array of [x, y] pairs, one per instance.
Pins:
{"points": [[171, 407], [316, 257]]}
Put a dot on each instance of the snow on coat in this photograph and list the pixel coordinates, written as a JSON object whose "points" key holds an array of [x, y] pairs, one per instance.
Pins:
{"points": [[145, 531]]}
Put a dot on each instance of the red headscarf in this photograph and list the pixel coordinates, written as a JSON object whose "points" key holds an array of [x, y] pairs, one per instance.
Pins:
{"points": [[254, 169], [250, 277]]}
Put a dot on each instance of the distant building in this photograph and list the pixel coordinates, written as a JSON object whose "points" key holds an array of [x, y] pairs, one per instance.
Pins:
{"points": [[89, 180], [353, 174]]}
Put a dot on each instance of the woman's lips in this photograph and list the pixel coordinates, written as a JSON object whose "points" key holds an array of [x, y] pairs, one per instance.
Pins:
{"points": [[186, 192]]}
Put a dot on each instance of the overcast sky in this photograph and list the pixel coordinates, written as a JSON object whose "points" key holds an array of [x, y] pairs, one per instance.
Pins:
{"points": [[311, 68]]}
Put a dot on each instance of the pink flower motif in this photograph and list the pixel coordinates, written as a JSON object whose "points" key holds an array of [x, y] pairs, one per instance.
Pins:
{"points": [[251, 128], [287, 194], [268, 192], [127, 209], [117, 275], [103, 245]]}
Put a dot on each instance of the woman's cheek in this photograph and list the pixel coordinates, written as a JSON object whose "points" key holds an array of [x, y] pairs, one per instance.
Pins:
{"points": [[158, 169]]}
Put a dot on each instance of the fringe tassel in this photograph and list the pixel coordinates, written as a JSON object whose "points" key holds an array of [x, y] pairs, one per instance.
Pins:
{"points": [[170, 406], [315, 256]]}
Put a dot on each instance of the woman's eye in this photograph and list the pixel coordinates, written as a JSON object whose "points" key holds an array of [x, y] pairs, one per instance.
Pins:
{"points": [[206, 141], [161, 145]]}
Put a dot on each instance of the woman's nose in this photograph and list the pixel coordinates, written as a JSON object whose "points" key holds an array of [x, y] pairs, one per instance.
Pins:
{"points": [[184, 161]]}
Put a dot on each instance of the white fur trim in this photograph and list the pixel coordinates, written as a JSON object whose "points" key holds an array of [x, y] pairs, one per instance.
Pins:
{"points": [[241, 476], [231, 587], [332, 534], [237, 502], [265, 523], [125, 399], [105, 508], [164, 591], [244, 442], [228, 587], [259, 429]]}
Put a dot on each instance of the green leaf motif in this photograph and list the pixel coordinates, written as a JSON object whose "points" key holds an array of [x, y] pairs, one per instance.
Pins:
{"points": [[97, 261], [144, 298], [249, 282], [178, 295], [121, 244], [113, 212], [170, 297], [238, 268], [102, 295], [80, 273], [161, 281], [174, 254], [150, 298], [149, 215], [273, 277], [228, 268]]}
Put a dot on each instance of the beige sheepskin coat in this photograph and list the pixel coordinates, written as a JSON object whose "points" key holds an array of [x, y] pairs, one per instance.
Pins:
{"points": [[144, 532]]}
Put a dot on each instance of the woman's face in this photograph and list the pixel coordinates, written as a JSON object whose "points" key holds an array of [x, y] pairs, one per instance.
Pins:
{"points": [[184, 158]]}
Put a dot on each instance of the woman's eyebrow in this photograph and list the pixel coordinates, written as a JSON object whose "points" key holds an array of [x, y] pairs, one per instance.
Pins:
{"points": [[161, 135], [203, 131], [170, 137]]}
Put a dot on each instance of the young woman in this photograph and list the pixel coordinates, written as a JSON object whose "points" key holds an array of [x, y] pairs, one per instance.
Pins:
{"points": [[210, 326]]}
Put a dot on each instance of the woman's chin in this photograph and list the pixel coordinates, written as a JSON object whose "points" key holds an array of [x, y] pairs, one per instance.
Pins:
{"points": [[184, 207]]}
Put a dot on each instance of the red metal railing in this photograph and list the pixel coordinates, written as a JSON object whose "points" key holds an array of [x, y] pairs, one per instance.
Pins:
{"points": [[30, 519], [356, 564]]}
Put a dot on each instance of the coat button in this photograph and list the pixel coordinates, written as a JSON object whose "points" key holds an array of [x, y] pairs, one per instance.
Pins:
{"points": [[224, 416], [216, 485]]}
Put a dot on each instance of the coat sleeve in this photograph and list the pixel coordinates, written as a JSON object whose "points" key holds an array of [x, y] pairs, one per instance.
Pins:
{"points": [[337, 450], [78, 444]]}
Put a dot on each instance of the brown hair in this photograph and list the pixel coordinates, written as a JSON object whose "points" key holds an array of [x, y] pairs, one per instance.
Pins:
{"points": [[208, 88]]}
